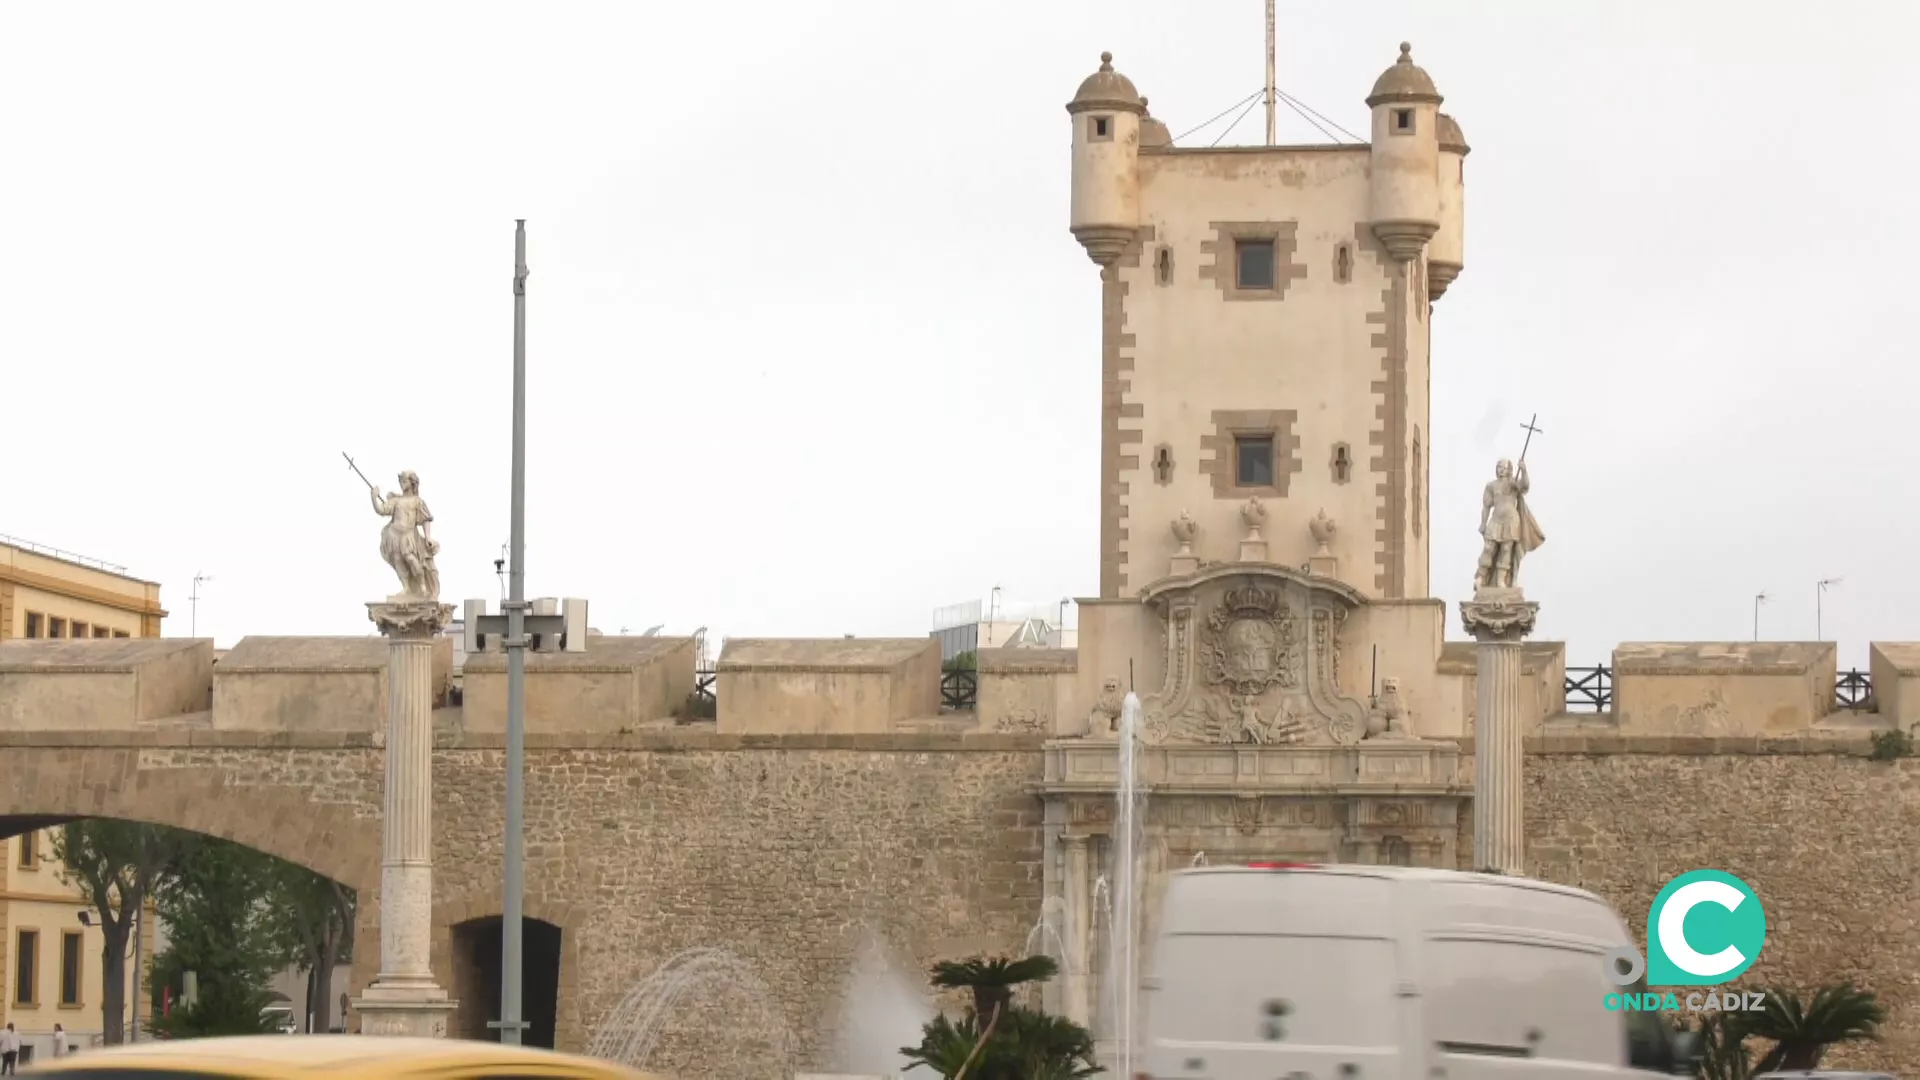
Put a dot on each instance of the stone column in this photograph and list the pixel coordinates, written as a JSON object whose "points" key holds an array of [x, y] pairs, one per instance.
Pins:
{"points": [[404, 999], [1499, 619], [1079, 895]]}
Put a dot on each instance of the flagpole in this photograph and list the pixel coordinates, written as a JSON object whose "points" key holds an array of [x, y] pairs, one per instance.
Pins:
{"points": [[1272, 91]]}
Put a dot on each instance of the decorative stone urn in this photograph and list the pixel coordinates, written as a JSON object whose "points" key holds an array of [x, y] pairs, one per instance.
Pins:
{"points": [[1322, 529]]}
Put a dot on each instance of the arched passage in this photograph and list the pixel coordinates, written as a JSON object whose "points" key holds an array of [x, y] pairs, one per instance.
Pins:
{"points": [[477, 953], [43, 786]]}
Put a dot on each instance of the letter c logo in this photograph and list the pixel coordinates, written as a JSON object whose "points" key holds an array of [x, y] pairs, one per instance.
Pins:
{"points": [[1727, 918]]}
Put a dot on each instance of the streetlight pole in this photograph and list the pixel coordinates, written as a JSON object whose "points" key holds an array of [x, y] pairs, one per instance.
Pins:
{"points": [[512, 940], [1758, 599], [1820, 594]]}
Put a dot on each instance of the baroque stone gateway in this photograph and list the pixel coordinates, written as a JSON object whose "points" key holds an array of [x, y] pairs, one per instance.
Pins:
{"points": [[1265, 320]]}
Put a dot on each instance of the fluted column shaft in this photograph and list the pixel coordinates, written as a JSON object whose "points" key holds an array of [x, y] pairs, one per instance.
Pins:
{"points": [[1079, 897], [1499, 619], [406, 866], [1499, 761]]}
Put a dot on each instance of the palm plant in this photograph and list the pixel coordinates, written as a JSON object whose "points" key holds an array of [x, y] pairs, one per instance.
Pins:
{"points": [[992, 979], [1723, 1048], [996, 1039], [1801, 1032]]}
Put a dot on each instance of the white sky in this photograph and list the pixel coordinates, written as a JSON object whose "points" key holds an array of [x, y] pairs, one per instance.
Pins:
{"points": [[812, 351]]}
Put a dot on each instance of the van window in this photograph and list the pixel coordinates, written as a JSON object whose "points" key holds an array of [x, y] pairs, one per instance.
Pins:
{"points": [[1494, 994], [1330, 991]]}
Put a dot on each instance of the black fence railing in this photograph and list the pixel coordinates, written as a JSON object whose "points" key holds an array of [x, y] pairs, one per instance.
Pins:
{"points": [[703, 683], [959, 690], [1853, 690], [1590, 689]]}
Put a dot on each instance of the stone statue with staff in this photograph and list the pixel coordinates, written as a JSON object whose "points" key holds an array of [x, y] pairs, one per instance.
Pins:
{"points": [[1507, 528], [406, 541]]}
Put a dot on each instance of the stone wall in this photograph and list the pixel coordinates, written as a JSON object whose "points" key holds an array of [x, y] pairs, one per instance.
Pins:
{"points": [[784, 850], [1825, 836]]}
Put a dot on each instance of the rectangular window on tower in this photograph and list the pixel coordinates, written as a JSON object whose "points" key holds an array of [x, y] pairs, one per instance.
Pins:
{"points": [[1253, 264], [1099, 129], [1403, 121], [1253, 461]]}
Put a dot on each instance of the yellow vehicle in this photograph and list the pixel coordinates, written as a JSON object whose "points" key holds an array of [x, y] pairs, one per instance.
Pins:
{"points": [[328, 1057]]}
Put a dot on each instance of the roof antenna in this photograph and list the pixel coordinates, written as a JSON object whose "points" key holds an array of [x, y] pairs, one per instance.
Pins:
{"points": [[1271, 103]]}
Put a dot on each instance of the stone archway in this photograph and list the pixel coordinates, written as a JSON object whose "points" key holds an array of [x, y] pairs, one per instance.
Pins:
{"points": [[44, 785], [466, 935]]}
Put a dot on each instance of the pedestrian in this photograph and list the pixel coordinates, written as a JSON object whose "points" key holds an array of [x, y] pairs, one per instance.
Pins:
{"points": [[59, 1041], [9, 1051]]}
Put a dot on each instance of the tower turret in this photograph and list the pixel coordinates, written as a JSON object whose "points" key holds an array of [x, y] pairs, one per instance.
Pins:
{"points": [[1446, 255], [1106, 113], [1404, 201]]}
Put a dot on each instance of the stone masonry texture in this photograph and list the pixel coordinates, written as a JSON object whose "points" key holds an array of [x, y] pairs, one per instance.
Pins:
{"points": [[789, 850], [787, 853]]}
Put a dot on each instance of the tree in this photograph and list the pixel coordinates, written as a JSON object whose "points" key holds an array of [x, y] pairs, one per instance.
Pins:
{"points": [[116, 865], [314, 920], [996, 1039], [219, 908]]}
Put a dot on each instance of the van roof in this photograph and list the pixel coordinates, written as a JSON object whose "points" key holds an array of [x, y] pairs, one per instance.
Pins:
{"points": [[1398, 873]]}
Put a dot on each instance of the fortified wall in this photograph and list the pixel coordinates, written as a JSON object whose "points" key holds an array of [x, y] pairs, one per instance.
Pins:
{"points": [[844, 800]]}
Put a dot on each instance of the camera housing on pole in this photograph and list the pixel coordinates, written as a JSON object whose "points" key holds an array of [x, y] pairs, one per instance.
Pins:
{"points": [[551, 626]]}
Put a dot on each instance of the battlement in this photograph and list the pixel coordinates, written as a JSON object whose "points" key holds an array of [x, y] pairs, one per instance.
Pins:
{"points": [[835, 687]]}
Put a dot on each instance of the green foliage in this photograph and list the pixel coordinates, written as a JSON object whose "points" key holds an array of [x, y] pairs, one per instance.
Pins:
{"points": [[117, 866], [1889, 745], [1012, 1042], [222, 918], [966, 661], [1797, 1033], [698, 707], [1802, 1031], [226, 1008]]}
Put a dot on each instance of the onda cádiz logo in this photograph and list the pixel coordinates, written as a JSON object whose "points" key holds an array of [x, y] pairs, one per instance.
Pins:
{"points": [[1705, 928]]}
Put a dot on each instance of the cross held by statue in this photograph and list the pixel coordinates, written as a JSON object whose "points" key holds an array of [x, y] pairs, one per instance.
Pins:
{"points": [[1531, 432]]}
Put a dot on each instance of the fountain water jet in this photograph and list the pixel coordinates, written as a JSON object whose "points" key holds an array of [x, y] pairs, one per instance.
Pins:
{"points": [[631, 1032], [883, 1011]]}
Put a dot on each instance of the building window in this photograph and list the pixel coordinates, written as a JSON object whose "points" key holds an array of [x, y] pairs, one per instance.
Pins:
{"points": [[1163, 464], [1100, 128], [1253, 461], [119, 633], [1163, 266], [1253, 264], [56, 627], [26, 967], [30, 851], [36, 624], [1342, 263], [1403, 121], [1342, 463], [101, 631], [80, 630], [72, 955]]}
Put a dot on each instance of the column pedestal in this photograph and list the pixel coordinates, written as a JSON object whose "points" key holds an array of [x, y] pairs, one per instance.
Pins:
{"points": [[1499, 619], [404, 999]]}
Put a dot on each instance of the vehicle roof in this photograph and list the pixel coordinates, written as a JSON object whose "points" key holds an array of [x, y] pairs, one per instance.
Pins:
{"points": [[243, 1054], [1398, 873]]}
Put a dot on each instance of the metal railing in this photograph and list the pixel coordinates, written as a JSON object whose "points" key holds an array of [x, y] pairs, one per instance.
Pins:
{"points": [[704, 680], [959, 690], [66, 556], [1590, 689]]}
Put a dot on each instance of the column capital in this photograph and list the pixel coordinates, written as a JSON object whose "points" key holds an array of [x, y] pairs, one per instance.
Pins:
{"points": [[410, 619], [1498, 616]]}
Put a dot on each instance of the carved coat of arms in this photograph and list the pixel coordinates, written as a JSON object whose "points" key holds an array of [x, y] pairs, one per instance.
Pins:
{"points": [[1251, 643]]}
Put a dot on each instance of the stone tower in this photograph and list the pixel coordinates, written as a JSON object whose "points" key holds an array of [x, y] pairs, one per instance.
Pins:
{"points": [[1264, 333]]}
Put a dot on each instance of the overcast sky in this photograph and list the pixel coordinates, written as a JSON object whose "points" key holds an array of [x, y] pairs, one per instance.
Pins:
{"points": [[811, 349]]}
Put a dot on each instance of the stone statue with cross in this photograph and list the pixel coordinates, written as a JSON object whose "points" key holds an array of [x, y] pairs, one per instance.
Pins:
{"points": [[1507, 527]]}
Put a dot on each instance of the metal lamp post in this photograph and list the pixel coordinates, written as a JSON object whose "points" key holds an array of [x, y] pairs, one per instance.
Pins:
{"points": [[511, 630], [1820, 595]]}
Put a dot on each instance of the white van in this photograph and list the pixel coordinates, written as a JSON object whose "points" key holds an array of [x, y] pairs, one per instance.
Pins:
{"points": [[1365, 972]]}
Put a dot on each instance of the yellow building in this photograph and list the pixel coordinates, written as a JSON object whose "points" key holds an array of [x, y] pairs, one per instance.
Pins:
{"points": [[48, 593], [51, 959]]}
